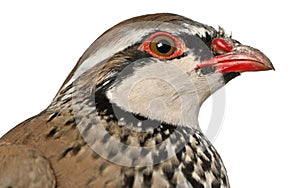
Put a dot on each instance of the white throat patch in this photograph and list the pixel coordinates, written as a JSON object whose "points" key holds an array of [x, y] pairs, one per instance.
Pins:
{"points": [[162, 91]]}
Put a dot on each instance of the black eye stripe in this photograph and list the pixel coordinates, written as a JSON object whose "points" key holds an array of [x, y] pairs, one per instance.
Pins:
{"points": [[198, 46]]}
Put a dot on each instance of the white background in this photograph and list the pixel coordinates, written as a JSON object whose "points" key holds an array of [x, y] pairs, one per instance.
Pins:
{"points": [[40, 42]]}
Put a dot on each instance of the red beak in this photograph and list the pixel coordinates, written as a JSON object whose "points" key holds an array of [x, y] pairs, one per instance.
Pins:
{"points": [[240, 59]]}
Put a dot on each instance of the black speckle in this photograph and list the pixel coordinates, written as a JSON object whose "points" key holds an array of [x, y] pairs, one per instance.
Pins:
{"points": [[147, 179], [67, 100], [52, 116], [142, 143], [144, 152], [169, 173], [217, 165], [189, 167], [66, 89], [215, 184], [95, 155], [208, 70], [70, 121], [179, 154], [123, 147], [102, 167], [202, 176], [68, 150], [52, 132], [147, 137], [206, 165], [207, 154], [76, 149], [224, 180], [139, 117], [111, 154], [106, 137], [124, 138], [86, 130], [73, 150], [190, 178], [128, 181], [175, 166]]}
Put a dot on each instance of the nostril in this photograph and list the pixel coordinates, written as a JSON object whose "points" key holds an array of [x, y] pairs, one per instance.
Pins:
{"points": [[221, 46]]}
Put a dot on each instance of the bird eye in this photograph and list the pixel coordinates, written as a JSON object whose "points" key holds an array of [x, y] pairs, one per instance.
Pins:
{"points": [[163, 45]]}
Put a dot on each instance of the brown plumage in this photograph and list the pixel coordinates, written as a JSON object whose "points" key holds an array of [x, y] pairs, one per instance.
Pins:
{"points": [[89, 137]]}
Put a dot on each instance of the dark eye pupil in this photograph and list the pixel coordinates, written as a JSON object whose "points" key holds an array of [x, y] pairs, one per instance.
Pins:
{"points": [[163, 46]]}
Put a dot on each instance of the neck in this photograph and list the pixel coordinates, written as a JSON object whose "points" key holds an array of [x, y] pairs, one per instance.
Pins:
{"points": [[123, 143], [120, 136]]}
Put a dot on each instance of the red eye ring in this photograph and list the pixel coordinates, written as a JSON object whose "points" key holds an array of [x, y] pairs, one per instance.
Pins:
{"points": [[221, 45], [162, 45]]}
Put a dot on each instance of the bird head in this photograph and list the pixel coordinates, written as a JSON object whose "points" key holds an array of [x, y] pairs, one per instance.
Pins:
{"points": [[162, 66]]}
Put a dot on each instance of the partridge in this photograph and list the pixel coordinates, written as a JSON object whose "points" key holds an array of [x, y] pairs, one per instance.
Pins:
{"points": [[127, 114]]}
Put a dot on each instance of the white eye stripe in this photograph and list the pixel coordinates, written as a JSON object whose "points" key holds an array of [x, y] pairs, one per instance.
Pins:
{"points": [[127, 35], [111, 43], [201, 31]]}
